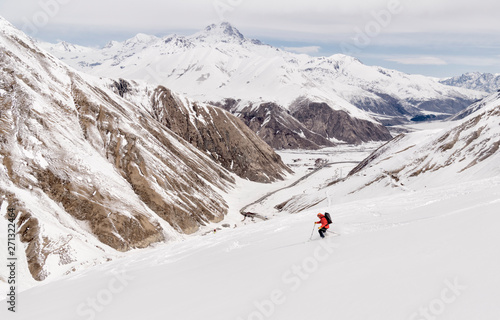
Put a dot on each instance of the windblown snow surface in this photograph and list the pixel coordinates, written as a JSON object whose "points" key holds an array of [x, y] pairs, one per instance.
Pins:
{"points": [[422, 248]]}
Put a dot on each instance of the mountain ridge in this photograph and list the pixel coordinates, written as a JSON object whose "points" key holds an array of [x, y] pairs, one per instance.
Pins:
{"points": [[465, 150], [486, 82], [220, 63], [90, 170]]}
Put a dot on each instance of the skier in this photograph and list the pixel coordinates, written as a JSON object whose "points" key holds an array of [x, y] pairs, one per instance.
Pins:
{"points": [[324, 225]]}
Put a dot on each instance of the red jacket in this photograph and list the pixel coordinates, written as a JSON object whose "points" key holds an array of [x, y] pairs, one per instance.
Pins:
{"points": [[324, 223]]}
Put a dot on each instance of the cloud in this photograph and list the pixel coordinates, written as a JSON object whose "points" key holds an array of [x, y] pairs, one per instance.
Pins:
{"points": [[313, 19], [480, 61], [464, 60], [421, 60], [422, 33], [306, 50]]}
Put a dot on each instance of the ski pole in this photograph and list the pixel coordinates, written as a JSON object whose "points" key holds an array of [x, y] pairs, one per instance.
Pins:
{"points": [[312, 232]]}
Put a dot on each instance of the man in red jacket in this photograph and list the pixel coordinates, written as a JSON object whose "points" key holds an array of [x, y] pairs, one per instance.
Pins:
{"points": [[324, 225]]}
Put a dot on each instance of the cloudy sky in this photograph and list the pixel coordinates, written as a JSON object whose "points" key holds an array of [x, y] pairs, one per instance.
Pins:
{"points": [[438, 38]]}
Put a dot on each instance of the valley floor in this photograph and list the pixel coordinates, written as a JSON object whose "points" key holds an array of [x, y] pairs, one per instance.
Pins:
{"points": [[303, 163]]}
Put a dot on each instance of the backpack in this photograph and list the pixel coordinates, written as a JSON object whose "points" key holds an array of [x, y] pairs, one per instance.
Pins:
{"points": [[328, 218]]}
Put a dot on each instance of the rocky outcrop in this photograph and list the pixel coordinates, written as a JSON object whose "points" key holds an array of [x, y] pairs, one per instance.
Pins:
{"points": [[308, 125], [122, 87], [447, 106], [90, 174], [279, 129], [225, 137], [337, 124]]}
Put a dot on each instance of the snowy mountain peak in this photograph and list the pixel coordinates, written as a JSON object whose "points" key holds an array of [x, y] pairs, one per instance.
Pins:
{"points": [[486, 82], [344, 58], [65, 46], [111, 44], [219, 63], [223, 31], [139, 39]]}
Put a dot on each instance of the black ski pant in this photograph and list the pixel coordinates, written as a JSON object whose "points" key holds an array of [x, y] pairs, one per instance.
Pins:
{"points": [[322, 232]]}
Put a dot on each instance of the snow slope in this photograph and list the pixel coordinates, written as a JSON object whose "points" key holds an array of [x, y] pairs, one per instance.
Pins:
{"points": [[420, 248], [408, 256], [492, 99], [464, 150]]}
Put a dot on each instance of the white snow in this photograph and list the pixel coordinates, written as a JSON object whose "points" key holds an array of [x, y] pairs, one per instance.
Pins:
{"points": [[397, 257], [220, 63]]}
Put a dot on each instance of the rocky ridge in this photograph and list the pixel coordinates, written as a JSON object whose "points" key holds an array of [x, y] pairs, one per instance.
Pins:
{"points": [[91, 173], [219, 64]]}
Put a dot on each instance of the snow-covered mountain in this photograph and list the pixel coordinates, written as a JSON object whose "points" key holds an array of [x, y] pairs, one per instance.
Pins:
{"points": [[492, 99], [465, 150], [486, 82], [221, 135], [219, 64], [93, 167]]}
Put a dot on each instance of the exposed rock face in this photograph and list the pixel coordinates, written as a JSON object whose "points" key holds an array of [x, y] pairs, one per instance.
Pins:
{"points": [[226, 138], [449, 106], [280, 129], [308, 125], [337, 124], [382, 104], [122, 86], [90, 174], [227, 104]]}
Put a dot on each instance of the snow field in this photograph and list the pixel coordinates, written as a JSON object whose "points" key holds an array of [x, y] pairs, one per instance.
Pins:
{"points": [[414, 256]]}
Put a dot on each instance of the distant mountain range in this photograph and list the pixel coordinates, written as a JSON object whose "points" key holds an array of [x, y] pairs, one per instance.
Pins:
{"points": [[269, 88], [486, 82]]}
